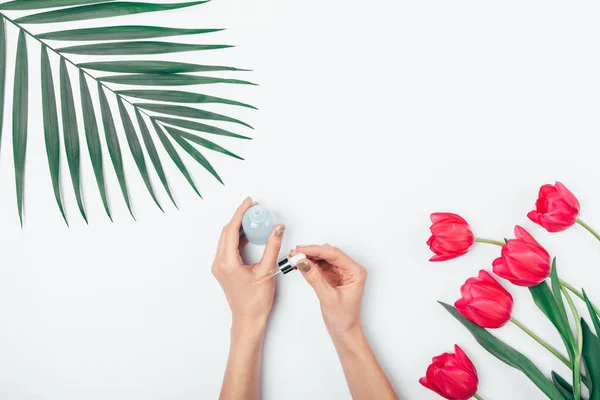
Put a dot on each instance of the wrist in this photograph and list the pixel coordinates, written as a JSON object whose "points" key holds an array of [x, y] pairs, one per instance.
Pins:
{"points": [[248, 327], [348, 338]]}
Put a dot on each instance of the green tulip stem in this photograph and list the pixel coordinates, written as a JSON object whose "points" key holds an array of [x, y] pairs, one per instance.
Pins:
{"points": [[478, 397], [577, 293], [577, 358], [535, 337], [589, 228], [489, 241]]}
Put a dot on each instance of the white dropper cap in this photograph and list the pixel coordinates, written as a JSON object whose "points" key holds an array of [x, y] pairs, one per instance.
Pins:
{"points": [[295, 259]]}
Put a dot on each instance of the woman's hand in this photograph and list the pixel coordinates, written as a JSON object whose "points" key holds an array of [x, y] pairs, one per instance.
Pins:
{"points": [[339, 283], [249, 304]]}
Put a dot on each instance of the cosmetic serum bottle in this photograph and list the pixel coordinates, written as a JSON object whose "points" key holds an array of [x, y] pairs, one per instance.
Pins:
{"points": [[257, 224]]}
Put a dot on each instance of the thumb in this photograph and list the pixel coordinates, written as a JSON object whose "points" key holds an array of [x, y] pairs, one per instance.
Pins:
{"points": [[313, 276], [271, 254]]}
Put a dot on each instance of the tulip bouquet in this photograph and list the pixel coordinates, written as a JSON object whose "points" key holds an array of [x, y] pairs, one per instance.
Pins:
{"points": [[485, 304]]}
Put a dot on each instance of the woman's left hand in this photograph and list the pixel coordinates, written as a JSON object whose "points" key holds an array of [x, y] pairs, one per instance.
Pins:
{"points": [[249, 304]]}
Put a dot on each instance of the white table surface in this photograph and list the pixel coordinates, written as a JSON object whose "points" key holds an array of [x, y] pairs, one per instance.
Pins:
{"points": [[372, 115]]}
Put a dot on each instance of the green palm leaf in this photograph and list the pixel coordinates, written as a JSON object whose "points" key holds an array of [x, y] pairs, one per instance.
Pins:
{"points": [[103, 10], [20, 115], [174, 156], [137, 48], [172, 123], [196, 155], [136, 149], [198, 126], [188, 112], [201, 141], [51, 132], [175, 96], [114, 149], [93, 139], [2, 71], [168, 80], [153, 154], [153, 67], [71, 134], [129, 32], [37, 4]]}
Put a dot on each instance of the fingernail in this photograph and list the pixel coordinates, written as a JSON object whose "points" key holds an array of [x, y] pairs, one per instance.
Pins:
{"points": [[279, 230], [303, 266], [301, 246], [254, 203]]}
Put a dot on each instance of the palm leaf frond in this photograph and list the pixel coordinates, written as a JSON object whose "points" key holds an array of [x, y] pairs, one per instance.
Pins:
{"points": [[162, 114], [93, 139], [2, 71], [174, 156], [20, 115], [114, 149], [137, 48], [153, 67], [71, 134], [102, 10], [126, 32], [153, 154], [136, 149], [39, 4], [51, 132], [175, 96]]}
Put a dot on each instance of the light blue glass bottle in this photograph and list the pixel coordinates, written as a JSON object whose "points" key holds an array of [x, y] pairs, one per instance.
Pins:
{"points": [[258, 223]]}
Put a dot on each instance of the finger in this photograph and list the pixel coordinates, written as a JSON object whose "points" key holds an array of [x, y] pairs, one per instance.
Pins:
{"points": [[232, 229], [331, 254], [314, 277], [271, 254], [243, 243]]}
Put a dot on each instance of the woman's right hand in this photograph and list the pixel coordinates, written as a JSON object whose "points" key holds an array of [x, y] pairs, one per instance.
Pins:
{"points": [[339, 283]]}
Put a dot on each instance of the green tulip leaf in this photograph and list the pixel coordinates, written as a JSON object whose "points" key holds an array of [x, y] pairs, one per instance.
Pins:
{"points": [[546, 302], [592, 311], [130, 32], [51, 132], [591, 360], [507, 354], [102, 10], [20, 116], [563, 386]]}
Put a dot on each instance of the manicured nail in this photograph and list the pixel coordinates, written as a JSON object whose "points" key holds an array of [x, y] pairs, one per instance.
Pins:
{"points": [[303, 266], [279, 230], [301, 246]]}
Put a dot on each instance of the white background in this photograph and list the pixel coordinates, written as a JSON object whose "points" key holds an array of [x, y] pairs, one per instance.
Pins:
{"points": [[372, 115]]}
